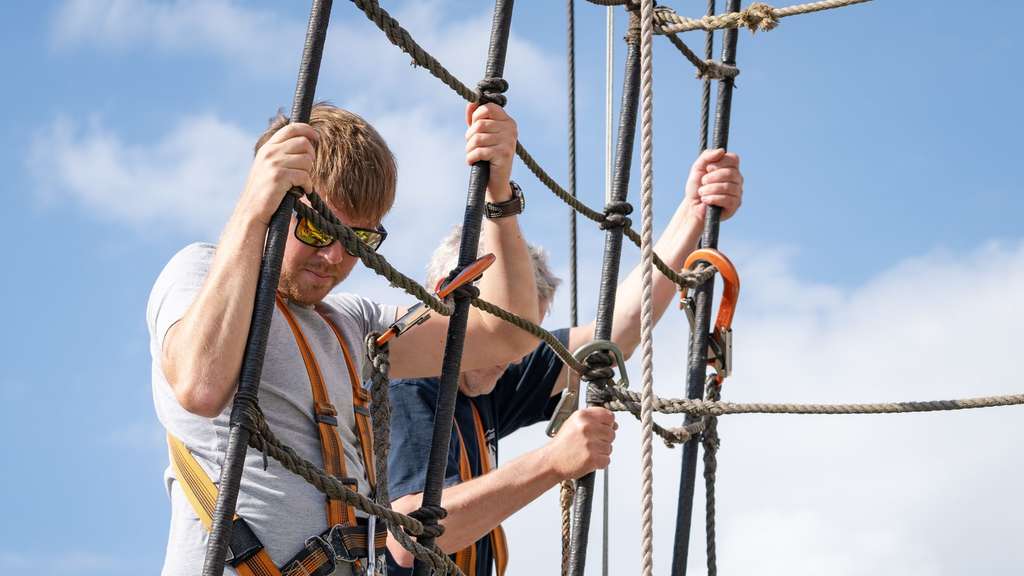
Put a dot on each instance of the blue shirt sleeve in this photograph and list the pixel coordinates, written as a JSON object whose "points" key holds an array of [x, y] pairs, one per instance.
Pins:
{"points": [[522, 395], [412, 423]]}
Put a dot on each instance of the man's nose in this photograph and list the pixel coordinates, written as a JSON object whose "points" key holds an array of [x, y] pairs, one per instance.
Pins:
{"points": [[334, 253]]}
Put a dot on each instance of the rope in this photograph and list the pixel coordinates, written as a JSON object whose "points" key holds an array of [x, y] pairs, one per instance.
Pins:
{"points": [[710, 442], [707, 68], [757, 17], [624, 400], [646, 303]]}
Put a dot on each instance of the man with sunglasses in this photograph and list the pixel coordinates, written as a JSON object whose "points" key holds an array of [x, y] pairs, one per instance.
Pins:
{"points": [[495, 401], [199, 314]]}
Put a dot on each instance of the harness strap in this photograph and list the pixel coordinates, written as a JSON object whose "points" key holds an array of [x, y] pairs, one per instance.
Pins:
{"points": [[326, 421], [202, 495], [360, 405], [465, 559]]}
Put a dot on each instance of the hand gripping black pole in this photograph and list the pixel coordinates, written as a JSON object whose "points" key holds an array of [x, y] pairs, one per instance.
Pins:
{"points": [[263, 310], [584, 500], [444, 414], [698, 356]]}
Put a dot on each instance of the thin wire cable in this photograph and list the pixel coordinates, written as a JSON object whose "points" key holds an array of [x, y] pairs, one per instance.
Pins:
{"points": [[646, 304], [609, 76]]}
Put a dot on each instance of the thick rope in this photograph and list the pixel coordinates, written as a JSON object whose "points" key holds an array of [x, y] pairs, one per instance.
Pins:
{"points": [[707, 68], [646, 303], [625, 400], [757, 17]]}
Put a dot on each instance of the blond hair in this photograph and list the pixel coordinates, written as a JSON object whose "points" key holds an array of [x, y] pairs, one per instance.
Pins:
{"points": [[354, 170]]}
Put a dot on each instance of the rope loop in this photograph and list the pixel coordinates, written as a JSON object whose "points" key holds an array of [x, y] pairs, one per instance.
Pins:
{"points": [[429, 517], [598, 367], [615, 215], [492, 90], [759, 16]]}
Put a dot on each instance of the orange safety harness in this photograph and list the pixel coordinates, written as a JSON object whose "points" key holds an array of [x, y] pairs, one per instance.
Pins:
{"points": [[345, 539], [465, 559]]}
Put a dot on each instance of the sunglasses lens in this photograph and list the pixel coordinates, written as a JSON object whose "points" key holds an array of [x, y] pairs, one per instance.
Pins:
{"points": [[310, 234], [371, 238]]}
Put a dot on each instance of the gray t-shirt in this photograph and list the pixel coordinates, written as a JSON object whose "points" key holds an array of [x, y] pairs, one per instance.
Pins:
{"points": [[282, 509]]}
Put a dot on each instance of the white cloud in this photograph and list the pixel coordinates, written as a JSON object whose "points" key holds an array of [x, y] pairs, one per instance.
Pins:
{"points": [[60, 562], [931, 494], [257, 39], [189, 179]]}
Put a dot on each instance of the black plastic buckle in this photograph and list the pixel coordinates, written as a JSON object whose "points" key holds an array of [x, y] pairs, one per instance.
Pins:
{"points": [[243, 545]]}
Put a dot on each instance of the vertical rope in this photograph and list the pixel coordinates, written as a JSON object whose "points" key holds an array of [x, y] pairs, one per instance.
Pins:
{"points": [[710, 443], [646, 305], [705, 96], [568, 490], [609, 77]]}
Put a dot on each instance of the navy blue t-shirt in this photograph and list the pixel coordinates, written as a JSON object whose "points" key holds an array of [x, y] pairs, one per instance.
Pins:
{"points": [[521, 397]]}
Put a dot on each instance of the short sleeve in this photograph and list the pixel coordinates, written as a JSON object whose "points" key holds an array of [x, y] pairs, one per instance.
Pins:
{"points": [[412, 423], [522, 395], [377, 317], [175, 290]]}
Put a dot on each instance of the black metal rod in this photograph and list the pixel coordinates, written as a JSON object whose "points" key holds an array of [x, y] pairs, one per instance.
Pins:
{"points": [[704, 295], [444, 413], [584, 500], [263, 310]]}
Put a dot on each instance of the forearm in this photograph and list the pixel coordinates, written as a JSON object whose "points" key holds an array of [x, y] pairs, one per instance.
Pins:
{"points": [[675, 244], [202, 353], [510, 284], [476, 507]]}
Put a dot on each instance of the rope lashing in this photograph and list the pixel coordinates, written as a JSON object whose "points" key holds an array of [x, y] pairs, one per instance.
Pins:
{"points": [[757, 17], [492, 90], [615, 215]]}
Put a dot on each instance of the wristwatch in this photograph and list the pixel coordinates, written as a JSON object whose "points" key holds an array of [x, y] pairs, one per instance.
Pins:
{"points": [[510, 207]]}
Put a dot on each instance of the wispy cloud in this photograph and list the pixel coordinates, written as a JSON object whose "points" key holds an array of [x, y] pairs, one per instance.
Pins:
{"points": [[240, 34], [60, 563], [846, 495], [189, 178]]}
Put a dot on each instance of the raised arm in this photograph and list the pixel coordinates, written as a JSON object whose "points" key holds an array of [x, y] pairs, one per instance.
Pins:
{"points": [[202, 353], [508, 283], [714, 179]]}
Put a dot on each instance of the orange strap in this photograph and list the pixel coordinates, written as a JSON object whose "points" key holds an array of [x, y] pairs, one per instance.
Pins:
{"points": [[202, 495], [326, 422], [466, 558]]}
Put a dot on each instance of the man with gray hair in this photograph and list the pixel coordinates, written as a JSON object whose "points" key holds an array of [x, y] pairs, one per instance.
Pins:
{"points": [[495, 401]]}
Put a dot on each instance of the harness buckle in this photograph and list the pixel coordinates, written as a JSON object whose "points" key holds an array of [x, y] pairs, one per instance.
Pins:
{"points": [[570, 400]]}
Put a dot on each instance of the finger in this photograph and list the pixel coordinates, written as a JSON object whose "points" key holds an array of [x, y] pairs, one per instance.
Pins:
{"points": [[470, 109], [721, 189], [486, 126], [303, 161], [490, 110], [727, 203], [728, 160], [293, 130], [706, 157], [296, 145], [724, 175], [291, 178], [493, 154], [485, 141]]}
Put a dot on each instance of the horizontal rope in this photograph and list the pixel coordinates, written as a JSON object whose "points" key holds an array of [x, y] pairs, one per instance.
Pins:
{"points": [[757, 17], [622, 400]]}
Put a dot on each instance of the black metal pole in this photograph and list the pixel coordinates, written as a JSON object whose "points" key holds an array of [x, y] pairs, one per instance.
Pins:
{"points": [[698, 356], [444, 413], [584, 500], [263, 310]]}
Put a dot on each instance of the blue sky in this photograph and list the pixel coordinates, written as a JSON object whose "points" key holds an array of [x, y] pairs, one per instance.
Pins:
{"points": [[880, 243]]}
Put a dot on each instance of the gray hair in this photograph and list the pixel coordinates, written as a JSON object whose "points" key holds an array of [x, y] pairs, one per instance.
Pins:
{"points": [[446, 257]]}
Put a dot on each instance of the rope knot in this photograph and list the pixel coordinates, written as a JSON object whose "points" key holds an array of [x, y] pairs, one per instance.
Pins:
{"points": [[615, 215], [492, 90], [759, 16], [633, 31], [598, 367], [429, 517]]}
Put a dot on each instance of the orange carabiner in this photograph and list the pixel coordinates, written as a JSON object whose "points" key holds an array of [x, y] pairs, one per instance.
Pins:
{"points": [[721, 342], [419, 313]]}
